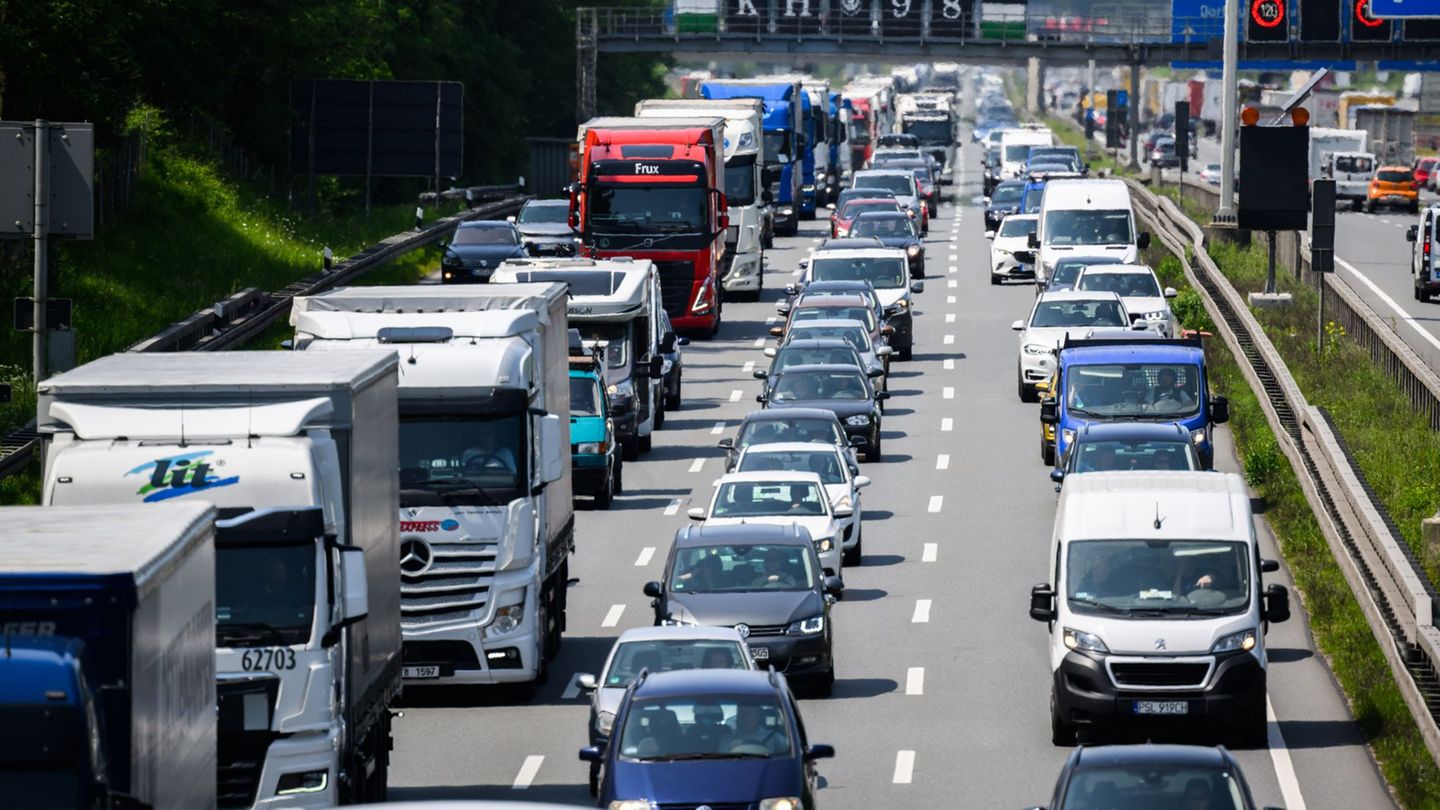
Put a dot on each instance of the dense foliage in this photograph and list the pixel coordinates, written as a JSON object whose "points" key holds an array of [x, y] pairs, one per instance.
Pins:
{"points": [[230, 62]]}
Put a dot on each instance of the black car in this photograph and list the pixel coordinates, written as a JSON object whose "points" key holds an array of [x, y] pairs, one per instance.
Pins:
{"points": [[789, 425], [1178, 776], [765, 580], [1003, 201], [477, 248], [545, 227], [708, 738], [674, 369], [843, 390], [902, 140], [1125, 446], [895, 230]]}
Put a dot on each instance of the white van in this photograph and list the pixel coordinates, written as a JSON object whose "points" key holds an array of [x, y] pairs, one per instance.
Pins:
{"points": [[1086, 218], [1015, 149], [1155, 606], [1425, 253]]}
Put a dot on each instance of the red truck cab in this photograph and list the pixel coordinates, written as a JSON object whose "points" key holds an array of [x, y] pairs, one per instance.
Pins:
{"points": [[650, 188]]}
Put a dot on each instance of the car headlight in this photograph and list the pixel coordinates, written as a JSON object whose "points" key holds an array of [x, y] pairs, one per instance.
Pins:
{"points": [[1197, 437], [808, 189], [624, 388], [1085, 642], [450, 260], [844, 503], [913, 250], [631, 804], [858, 420], [824, 544], [590, 448], [292, 784], [780, 803], [1243, 641], [1069, 437], [508, 618], [604, 722], [807, 627], [1158, 315], [1038, 348]]}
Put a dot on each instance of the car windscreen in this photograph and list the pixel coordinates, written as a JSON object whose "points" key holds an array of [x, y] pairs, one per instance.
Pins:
{"points": [[1120, 390], [1153, 576], [1154, 784], [1076, 226], [584, 396], [769, 499], [1017, 152], [544, 214], [1079, 312], [855, 209], [799, 386], [1125, 285], [1153, 454], [862, 314], [884, 227], [1017, 226], [1032, 199], [1395, 176], [849, 195], [1067, 269], [855, 335], [794, 429], [884, 272], [931, 132], [823, 461], [493, 235], [710, 727], [831, 356], [902, 185], [668, 655], [1006, 194]]}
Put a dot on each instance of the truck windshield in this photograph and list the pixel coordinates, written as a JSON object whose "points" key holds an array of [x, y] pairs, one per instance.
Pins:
{"points": [[647, 209], [264, 595], [859, 131], [1146, 577], [740, 180], [1354, 165], [1017, 152], [931, 132], [777, 146], [616, 336], [1087, 227], [462, 459], [881, 271], [1114, 390]]}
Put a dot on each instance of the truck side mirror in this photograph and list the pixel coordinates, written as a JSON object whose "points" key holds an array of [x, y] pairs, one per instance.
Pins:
{"points": [[1143, 242], [556, 454], [667, 342], [1049, 411], [657, 366], [652, 589], [355, 587], [1277, 604], [1042, 603], [1412, 233], [1269, 566], [917, 286], [1219, 410]]}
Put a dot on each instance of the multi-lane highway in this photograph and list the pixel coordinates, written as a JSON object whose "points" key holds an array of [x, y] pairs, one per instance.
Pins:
{"points": [[943, 681]]}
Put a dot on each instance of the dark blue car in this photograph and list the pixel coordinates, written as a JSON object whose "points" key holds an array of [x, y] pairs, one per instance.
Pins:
{"points": [[724, 738], [477, 248]]}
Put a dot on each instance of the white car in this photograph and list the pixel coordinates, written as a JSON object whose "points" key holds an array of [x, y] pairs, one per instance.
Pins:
{"points": [[780, 498], [1014, 234], [831, 464], [1210, 174], [1138, 288], [1054, 315]]}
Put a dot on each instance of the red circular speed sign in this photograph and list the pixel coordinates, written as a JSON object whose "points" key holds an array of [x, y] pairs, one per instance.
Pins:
{"points": [[1362, 13], [1271, 13]]}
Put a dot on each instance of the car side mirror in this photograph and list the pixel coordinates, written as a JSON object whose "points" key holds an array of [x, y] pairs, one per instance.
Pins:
{"points": [[1033, 241], [989, 234], [586, 681], [917, 286], [1269, 566], [1219, 410], [833, 586], [985, 202], [1057, 475], [652, 589], [1143, 242], [1018, 326], [1412, 233], [771, 351], [760, 398], [1277, 604], [1024, 256], [760, 374], [862, 481], [510, 218], [682, 341], [726, 443], [790, 289], [1170, 292], [875, 373], [882, 395], [884, 351], [1042, 603], [696, 513], [777, 331], [844, 511], [820, 750], [803, 263], [1049, 411], [591, 753]]}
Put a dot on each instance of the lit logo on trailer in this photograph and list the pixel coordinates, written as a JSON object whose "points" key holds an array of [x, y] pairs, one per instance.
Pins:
{"points": [[184, 474]]}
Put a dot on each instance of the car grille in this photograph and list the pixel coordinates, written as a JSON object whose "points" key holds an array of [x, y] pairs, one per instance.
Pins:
{"points": [[676, 280], [454, 587], [767, 630], [1159, 674], [240, 751]]}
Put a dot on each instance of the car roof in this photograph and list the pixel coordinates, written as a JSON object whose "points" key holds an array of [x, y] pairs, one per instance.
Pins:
{"points": [[869, 194], [1151, 754], [879, 173], [792, 447], [678, 633], [816, 343], [832, 301], [787, 414], [896, 214], [833, 322], [547, 203], [850, 243], [775, 534], [778, 476], [704, 683], [1132, 431], [842, 284], [866, 253], [1077, 295], [486, 223], [1135, 269], [1022, 217], [871, 200]]}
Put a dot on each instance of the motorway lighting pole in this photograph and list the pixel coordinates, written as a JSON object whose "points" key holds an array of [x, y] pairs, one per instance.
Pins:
{"points": [[1226, 212]]}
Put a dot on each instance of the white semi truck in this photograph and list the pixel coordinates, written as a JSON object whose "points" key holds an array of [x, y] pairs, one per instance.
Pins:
{"points": [[298, 452], [485, 515], [750, 205]]}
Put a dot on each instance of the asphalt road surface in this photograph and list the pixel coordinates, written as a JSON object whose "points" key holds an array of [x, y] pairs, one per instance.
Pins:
{"points": [[943, 681]]}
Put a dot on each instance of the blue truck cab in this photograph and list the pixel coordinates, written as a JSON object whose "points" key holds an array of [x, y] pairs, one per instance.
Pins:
{"points": [[595, 460], [784, 131], [1031, 196], [1133, 378]]}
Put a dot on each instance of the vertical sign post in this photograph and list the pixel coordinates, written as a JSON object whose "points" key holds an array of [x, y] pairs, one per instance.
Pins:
{"points": [[38, 234], [1322, 249]]}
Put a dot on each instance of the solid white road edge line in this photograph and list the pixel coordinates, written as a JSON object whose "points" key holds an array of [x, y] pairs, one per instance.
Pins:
{"points": [[646, 554], [904, 767], [915, 681], [527, 772], [922, 611], [1404, 316], [1280, 756], [612, 617]]}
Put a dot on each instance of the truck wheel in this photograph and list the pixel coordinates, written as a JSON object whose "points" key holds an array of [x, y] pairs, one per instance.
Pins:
{"points": [[605, 495], [905, 353], [1254, 732], [1422, 295], [1061, 732]]}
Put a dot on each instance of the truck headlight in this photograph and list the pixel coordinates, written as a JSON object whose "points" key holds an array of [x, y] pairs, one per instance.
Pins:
{"points": [[1083, 641], [292, 784], [858, 420], [1243, 641], [807, 627], [624, 388], [590, 448], [604, 722], [509, 617]]}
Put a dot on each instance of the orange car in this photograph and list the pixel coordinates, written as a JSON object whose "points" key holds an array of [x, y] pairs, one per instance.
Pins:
{"points": [[1393, 186]]}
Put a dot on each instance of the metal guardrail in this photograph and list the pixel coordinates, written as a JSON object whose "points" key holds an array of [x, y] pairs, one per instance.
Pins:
{"points": [[1390, 586], [243, 316]]}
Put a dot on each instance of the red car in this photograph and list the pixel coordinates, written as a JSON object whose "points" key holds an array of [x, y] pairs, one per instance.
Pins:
{"points": [[844, 216], [1424, 168]]}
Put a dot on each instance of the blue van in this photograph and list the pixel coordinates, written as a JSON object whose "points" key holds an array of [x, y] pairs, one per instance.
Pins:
{"points": [[1132, 378], [594, 457]]}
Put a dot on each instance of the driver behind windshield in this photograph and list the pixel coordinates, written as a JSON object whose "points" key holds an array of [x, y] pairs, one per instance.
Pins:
{"points": [[488, 454]]}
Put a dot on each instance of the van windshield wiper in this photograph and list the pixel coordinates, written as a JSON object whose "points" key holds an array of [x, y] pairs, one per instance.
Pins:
{"points": [[1100, 605]]}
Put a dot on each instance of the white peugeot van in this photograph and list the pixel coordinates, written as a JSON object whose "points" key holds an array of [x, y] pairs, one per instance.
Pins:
{"points": [[1085, 218], [1156, 611]]}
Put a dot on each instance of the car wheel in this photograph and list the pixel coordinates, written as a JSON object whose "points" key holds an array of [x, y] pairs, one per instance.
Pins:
{"points": [[645, 443], [594, 779], [630, 450], [854, 555], [618, 476], [825, 684], [1047, 452], [673, 402], [905, 353], [874, 453], [1027, 392], [994, 279], [1422, 295], [1061, 732], [605, 495], [660, 411]]}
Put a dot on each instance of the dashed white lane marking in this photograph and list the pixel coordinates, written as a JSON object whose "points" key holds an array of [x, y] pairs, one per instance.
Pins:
{"points": [[915, 681], [696, 465], [736, 394], [527, 772], [949, 364], [936, 501], [1280, 756], [953, 284], [572, 689], [749, 366], [772, 320], [946, 425], [932, 551], [949, 299], [717, 430], [949, 317], [1404, 316], [949, 339], [674, 507], [904, 767], [646, 554], [612, 618], [948, 392], [942, 462], [760, 343], [922, 612], [954, 269], [1384, 220]]}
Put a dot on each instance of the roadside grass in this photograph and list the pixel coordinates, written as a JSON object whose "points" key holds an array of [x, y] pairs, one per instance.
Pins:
{"points": [[1347, 385]]}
